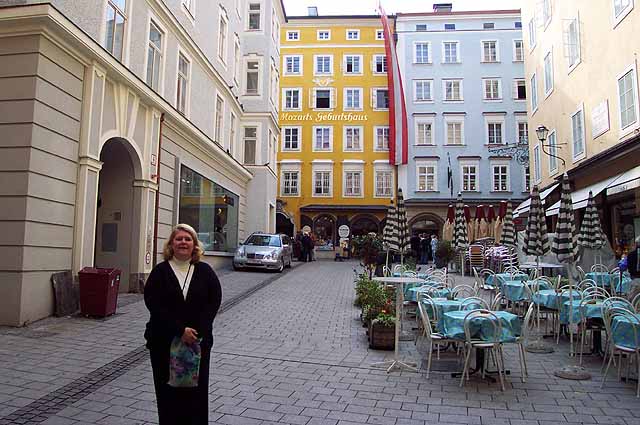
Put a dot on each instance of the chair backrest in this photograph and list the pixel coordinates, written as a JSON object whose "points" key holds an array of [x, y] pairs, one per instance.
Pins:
{"points": [[616, 302], [526, 324], [494, 325], [543, 280], [629, 316], [581, 272], [410, 273], [399, 268], [586, 283], [615, 270], [474, 303], [424, 319], [636, 303], [434, 310], [450, 281], [595, 290], [463, 291], [386, 271], [512, 270], [497, 302], [599, 268]]}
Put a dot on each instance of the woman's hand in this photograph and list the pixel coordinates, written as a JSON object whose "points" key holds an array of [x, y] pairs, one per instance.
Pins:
{"points": [[189, 336]]}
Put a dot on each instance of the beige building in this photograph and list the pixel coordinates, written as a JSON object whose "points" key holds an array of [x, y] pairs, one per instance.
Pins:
{"points": [[121, 118], [582, 77]]}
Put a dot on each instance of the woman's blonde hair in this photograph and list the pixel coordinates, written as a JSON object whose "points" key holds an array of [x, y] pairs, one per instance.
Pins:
{"points": [[197, 253]]}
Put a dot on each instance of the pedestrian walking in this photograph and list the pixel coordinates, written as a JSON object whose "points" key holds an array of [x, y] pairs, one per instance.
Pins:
{"points": [[312, 250], [307, 247], [424, 249], [415, 246], [183, 295], [434, 247]]}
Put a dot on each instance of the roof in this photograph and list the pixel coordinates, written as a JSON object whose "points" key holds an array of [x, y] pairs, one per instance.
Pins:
{"points": [[316, 17], [462, 13]]}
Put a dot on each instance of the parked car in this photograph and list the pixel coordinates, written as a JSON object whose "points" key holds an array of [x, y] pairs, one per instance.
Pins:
{"points": [[265, 251]]}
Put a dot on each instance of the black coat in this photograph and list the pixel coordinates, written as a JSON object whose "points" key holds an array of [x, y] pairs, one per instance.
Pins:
{"points": [[171, 313], [632, 263]]}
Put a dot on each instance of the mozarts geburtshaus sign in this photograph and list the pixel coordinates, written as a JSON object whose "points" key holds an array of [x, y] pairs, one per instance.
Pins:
{"points": [[323, 116]]}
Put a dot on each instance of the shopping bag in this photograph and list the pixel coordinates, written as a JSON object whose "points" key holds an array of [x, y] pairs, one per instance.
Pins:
{"points": [[184, 364]]}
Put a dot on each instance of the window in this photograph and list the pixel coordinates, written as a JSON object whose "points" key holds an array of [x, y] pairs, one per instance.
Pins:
{"points": [[537, 173], [293, 65], [424, 132], [383, 183], [190, 7], [519, 89], [352, 64], [469, 173], [421, 52], [490, 51], [154, 56], [381, 142], [380, 98], [324, 35], [213, 212], [353, 34], [627, 98], [452, 90], [422, 90], [275, 27], [236, 59], [219, 119], [323, 98], [190, 182], [488, 26], [518, 51], [548, 74], [427, 174], [182, 92], [379, 64], [222, 36], [526, 179], [517, 25], [322, 138], [621, 8], [523, 132], [290, 183], [492, 88], [553, 150], [532, 33], [323, 64], [255, 16], [500, 177], [352, 138], [116, 20], [291, 99], [577, 132], [573, 43], [534, 93], [253, 80], [546, 12], [494, 133], [293, 35], [449, 27], [232, 133], [450, 52], [352, 99], [421, 27], [454, 131], [322, 183], [352, 183], [291, 138], [379, 34], [250, 141]]}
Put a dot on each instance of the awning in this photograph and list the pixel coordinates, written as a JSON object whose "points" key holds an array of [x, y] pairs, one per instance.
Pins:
{"points": [[580, 197], [524, 207], [627, 181]]}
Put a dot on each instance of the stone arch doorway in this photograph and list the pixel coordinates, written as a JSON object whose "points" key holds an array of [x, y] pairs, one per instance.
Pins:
{"points": [[284, 224], [428, 223], [363, 224], [324, 229], [117, 222]]}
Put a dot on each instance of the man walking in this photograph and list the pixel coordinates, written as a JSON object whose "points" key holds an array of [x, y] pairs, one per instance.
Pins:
{"points": [[424, 249], [434, 246]]}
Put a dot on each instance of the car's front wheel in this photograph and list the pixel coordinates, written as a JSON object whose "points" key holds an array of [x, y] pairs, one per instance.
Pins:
{"points": [[236, 267], [281, 267]]}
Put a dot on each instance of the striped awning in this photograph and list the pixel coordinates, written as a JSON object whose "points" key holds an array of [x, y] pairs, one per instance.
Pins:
{"points": [[526, 205]]}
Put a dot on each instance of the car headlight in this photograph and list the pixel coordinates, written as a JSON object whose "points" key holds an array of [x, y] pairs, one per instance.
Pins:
{"points": [[240, 252]]}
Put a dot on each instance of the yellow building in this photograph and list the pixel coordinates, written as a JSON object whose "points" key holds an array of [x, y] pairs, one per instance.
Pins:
{"points": [[333, 159]]}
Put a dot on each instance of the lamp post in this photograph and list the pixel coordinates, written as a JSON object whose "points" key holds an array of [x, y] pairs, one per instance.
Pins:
{"points": [[542, 132]]}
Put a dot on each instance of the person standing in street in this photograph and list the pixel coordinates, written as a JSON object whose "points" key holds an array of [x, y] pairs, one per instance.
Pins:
{"points": [[434, 247], [183, 295], [307, 246], [415, 247], [424, 249]]}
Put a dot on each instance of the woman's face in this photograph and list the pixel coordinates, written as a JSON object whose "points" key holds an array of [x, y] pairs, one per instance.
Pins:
{"points": [[182, 245]]}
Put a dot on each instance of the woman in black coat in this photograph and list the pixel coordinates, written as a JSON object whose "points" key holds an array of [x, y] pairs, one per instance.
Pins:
{"points": [[183, 296]]}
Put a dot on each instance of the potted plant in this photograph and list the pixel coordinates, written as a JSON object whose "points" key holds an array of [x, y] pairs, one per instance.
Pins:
{"points": [[367, 247], [444, 254], [382, 331]]}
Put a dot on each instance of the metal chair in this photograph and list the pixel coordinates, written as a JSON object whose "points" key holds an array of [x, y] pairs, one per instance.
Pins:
{"points": [[431, 337], [586, 283], [621, 349], [599, 268], [636, 303], [585, 323], [463, 291], [522, 340], [473, 303], [581, 272]]}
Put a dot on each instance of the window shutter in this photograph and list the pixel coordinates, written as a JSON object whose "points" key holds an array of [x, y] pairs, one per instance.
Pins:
{"points": [[373, 63], [332, 98], [373, 98], [312, 98]]}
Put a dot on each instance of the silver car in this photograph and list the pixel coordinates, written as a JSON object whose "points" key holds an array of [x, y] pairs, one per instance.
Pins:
{"points": [[265, 251]]}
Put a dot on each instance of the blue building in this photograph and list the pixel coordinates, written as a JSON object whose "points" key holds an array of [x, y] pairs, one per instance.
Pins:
{"points": [[463, 75]]}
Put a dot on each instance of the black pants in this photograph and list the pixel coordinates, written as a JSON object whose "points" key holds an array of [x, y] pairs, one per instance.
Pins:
{"points": [[178, 406]]}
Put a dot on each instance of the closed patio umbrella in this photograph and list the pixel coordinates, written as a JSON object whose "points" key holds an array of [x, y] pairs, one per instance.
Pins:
{"points": [[402, 227], [478, 222], [447, 231], [508, 234], [536, 240], [387, 236], [591, 234], [460, 237]]}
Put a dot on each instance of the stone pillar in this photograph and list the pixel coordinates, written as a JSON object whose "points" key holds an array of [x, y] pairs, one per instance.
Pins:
{"points": [[144, 192], [85, 213]]}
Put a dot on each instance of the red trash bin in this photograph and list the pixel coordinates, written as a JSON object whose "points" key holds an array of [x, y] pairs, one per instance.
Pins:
{"points": [[98, 291]]}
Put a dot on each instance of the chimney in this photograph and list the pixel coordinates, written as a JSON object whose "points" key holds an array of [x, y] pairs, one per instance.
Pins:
{"points": [[312, 11], [442, 7]]}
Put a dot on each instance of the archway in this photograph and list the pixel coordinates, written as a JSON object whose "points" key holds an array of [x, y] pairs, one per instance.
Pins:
{"points": [[324, 229], [363, 224], [284, 224], [428, 223], [115, 221]]}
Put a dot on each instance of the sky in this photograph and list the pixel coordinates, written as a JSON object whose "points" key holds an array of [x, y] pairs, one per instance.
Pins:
{"points": [[368, 7]]}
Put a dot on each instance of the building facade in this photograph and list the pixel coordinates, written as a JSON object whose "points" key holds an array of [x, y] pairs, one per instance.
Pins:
{"points": [[122, 118], [333, 156], [463, 74], [582, 73]]}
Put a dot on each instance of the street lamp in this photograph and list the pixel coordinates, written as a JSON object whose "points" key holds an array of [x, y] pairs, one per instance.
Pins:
{"points": [[542, 132]]}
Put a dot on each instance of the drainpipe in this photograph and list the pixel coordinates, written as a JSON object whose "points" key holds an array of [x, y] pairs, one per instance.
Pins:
{"points": [[157, 206]]}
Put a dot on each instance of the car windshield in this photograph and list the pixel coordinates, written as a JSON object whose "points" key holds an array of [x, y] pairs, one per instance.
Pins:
{"points": [[263, 240]]}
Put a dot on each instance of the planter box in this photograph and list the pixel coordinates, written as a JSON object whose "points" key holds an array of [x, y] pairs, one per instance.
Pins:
{"points": [[381, 337]]}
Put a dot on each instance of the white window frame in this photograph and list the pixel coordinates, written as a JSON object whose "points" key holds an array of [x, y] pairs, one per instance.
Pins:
{"points": [[319, 32], [314, 97], [454, 119], [162, 53], [382, 128], [345, 97], [360, 130], [553, 149], [482, 57], [426, 165], [223, 38], [283, 136], [285, 91], [289, 168], [285, 58], [634, 90], [583, 134], [485, 81], [500, 163], [384, 64], [547, 13], [532, 34], [374, 98], [533, 89], [315, 140], [521, 119], [515, 51], [424, 121], [259, 89], [515, 85], [379, 168], [429, 53], [622, 13], [428, 82], [260, 17], [379, 34], [125, 30], [360, 64], [219, 120], [256, 151], [537, 166], [187, 100], [315, 65], [237, 60], [355, 31], [458, 55], [324, 166], [548, 74], [189, 7], [348, 167], [293, 35], [470, 163], [444, 90], [526, 179], [233, 132], [572, 43], [494, 119]]}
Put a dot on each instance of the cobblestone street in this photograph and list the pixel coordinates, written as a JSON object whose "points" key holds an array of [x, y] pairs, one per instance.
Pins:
{"points": [[288, 349]]}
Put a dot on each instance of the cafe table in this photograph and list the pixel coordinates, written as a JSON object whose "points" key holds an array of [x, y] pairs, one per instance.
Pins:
{"points": [[553, 298], [625, 330], [604, 279], [442, 305], [514, 290], [496, 279], [399, 283], [411, 294], [451, 325]]}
